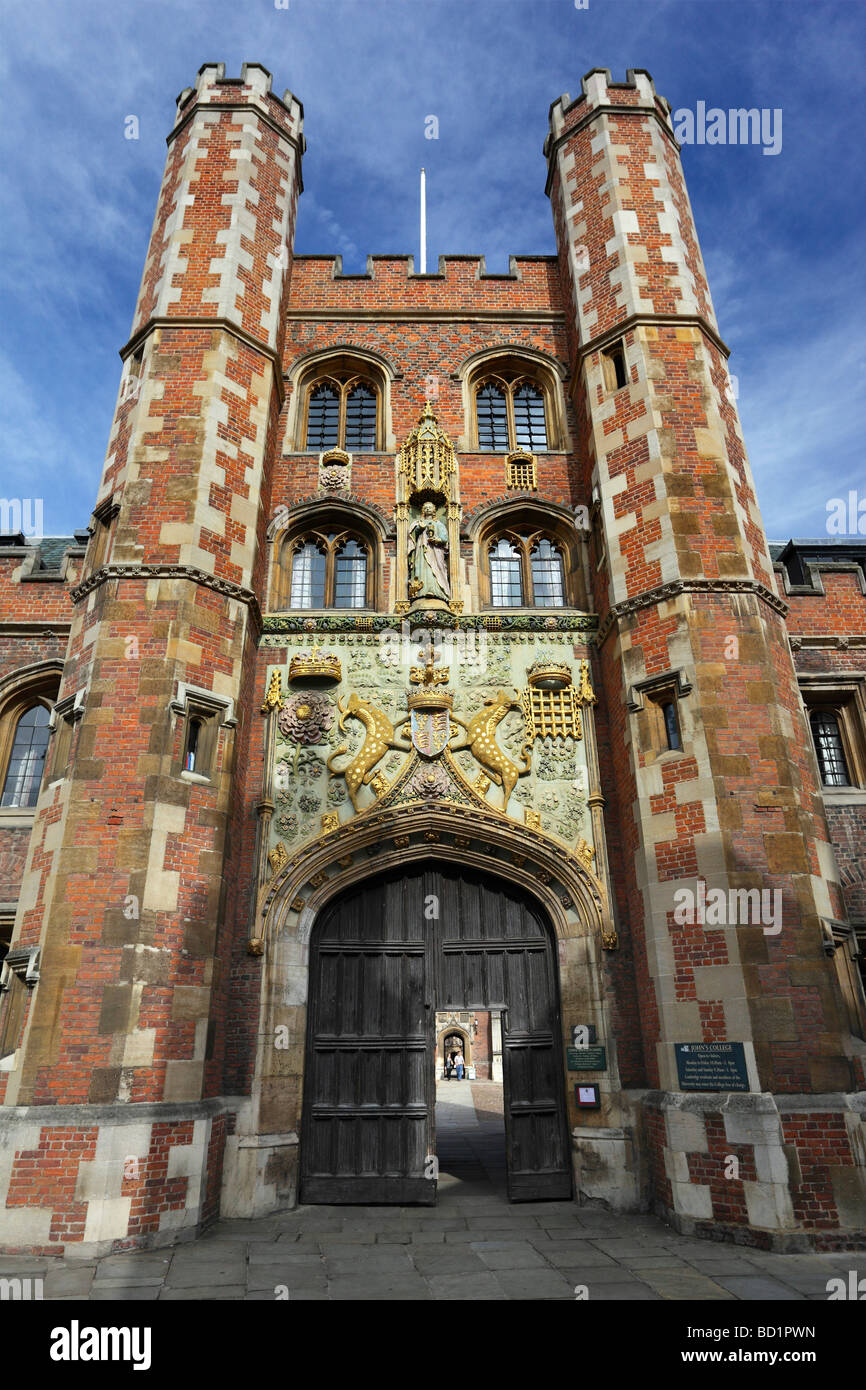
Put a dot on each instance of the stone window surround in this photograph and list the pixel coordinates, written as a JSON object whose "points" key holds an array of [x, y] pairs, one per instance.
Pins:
{"points": [[652, 691], [845, 694], [216, 710]]}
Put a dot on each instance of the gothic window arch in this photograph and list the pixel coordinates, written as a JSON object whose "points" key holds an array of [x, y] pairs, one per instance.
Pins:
{"points": [[527, 569], [326, 563], [514, 405], [526, 560], [341, 407]]}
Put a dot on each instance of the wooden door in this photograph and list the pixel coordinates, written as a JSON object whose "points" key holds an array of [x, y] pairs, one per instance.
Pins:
{"points": [[369, 1085], [380, 957], [496, 952]]}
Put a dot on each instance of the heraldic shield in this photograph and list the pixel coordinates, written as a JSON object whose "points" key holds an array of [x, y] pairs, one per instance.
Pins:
{"points": [[431, 730]]}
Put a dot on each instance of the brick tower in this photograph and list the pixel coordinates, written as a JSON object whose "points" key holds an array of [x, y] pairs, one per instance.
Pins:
{"points": [[114, 1136], [692, 631]]}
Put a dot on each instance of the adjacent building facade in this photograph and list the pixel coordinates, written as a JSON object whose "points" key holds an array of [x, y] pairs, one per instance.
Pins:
{"points": [[425, 669]]}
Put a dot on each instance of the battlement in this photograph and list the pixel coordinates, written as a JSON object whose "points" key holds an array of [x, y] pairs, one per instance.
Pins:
{"points": [[460, 282], [600, 92], [252, 88]]}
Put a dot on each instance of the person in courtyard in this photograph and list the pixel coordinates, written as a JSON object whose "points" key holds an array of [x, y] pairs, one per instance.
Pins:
{"points": [[459, 1064]]}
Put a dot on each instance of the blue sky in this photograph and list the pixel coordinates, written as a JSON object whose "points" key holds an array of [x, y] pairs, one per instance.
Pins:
{"points": [[782, 235]]}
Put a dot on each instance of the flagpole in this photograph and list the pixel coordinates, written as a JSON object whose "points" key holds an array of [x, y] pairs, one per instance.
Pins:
{"points": [[423, 223]]}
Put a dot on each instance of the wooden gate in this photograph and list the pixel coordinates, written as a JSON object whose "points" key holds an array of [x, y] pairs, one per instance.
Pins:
{"points": [[386, 955]]}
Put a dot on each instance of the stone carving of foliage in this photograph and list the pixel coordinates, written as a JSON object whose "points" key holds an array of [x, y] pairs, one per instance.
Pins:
{"points": [[336, 793], [309, 768], [308, 804], [287, 825]]}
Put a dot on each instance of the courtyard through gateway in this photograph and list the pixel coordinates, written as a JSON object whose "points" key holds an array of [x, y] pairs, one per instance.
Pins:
{"points": [[472, 1245]]}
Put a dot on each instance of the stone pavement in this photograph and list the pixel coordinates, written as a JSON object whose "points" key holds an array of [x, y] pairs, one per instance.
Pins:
{"points": [[472, 1244]]}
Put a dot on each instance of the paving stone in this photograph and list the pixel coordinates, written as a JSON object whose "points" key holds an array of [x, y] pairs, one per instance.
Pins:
{"points": [[347, 1238], [757, 1287], [594, 1274], [131, 1293], [677, 1284], [189, 1276], [296, 1277], [431, 1237], [400, 1288], [204, 1293], [459, 1259], [570, 1254], [481, 1286], [500, 1255], [621, 1293], [369, 1264], [68, 1281], [534, 1284]]}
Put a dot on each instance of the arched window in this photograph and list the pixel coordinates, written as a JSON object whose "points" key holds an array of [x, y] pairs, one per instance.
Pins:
{"points": [[510, 413], [309, 574], [342, 412], [526, 570], [830, 750], [27, 758], [530, 430], [492, 419], [548, 580], [506, 579], [323, 418], [326, 569]]}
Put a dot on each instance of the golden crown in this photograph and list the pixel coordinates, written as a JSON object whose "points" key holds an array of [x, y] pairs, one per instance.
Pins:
{"points": [[430, 699], [315, 665], [549, 675]]}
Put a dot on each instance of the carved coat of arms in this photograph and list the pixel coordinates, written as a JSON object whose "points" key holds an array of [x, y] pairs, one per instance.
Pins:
{"points": [[431, 730]]}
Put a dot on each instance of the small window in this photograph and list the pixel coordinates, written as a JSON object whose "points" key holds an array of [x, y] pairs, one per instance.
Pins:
{"points": [[829, 748], [658, 707], [200, 741], [672, 725], [193, 739], [27, 758], [613, 367]]}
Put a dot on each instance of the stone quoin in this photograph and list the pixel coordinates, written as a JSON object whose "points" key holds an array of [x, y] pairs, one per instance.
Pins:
{"points": [[425, 642]]}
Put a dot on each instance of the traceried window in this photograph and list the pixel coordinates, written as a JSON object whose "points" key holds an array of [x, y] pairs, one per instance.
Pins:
{"points": [[830, 750], [27, 758], [342, 413], [510, 414], [327, 570], [526, 570]]}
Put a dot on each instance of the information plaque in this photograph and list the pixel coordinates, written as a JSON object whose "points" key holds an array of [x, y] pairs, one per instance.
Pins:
{"points": [[587, 1058], [712, 1066]]}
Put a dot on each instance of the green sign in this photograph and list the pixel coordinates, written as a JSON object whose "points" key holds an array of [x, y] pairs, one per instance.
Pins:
{"points": [[586, 1058]]}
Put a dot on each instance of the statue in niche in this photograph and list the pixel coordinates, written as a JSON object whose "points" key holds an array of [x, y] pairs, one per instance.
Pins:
{"points": [[428, 556]]}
